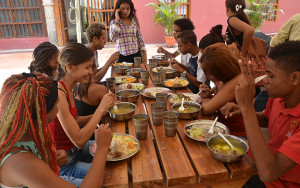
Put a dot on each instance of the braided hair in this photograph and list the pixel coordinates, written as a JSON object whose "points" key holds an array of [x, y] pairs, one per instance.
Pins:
{"points": [[24, 102], [42, 56]]}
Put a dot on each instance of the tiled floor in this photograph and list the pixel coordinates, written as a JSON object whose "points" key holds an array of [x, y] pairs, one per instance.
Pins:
{"points": [[18, 62]]}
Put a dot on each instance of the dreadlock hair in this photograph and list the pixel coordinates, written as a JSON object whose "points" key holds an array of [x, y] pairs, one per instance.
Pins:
{"points": [[232, 4], [95, 30], [214, 36], [74, 54], [22, 96], [42, 56]]}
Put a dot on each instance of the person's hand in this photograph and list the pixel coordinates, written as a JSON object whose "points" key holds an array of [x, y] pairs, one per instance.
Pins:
{"points": [[244, 90], [107, 101], [177, 67], [113, 58], [205, 91], [61, 157], [160, 50], [103, 137], [117, 16], [230, 109]]}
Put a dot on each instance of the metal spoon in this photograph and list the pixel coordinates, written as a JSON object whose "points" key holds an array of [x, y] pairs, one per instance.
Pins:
{"points": [[199, 92], [181, 108], [211, 130], [232, 147]]}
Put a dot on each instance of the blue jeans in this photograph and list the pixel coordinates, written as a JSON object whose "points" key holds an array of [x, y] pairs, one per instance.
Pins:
{"points": [[79, 163]]}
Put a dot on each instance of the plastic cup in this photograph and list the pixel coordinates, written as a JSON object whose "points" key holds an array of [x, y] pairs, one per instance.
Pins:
{"points": [[170, 122], [157, 110], [140, 125]]}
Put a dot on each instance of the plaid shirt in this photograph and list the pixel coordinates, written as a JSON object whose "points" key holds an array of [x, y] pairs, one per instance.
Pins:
{"points": [[126, 37]]}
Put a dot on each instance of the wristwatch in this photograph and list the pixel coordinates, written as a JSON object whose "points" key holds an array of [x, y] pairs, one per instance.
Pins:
{"points": [[183, 74]]}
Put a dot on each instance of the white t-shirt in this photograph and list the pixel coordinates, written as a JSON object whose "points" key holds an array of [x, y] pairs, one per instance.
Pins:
{"points": [[200, 74], [184, 59]]}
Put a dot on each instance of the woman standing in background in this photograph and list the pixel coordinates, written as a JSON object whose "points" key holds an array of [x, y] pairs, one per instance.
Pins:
{"points": [[125, 30]]}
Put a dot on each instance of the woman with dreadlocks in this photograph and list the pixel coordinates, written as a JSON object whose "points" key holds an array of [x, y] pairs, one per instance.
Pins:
{"points": [[45, 57], [67, 129], [27, 103]]}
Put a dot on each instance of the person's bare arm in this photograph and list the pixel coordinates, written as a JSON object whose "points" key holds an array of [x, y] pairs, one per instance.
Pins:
{"points": [[80, 136], [167, 53], [270, 167], [224, 95], [244, 28], [102, 71]]}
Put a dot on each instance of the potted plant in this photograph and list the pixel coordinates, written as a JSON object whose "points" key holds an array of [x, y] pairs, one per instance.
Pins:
{"points": [[165, 15], [255, 10]]}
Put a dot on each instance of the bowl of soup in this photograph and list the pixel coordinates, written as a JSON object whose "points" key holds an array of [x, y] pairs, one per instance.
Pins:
{"points": [[222, 152], [128, 95], [124, 112], [191, 110], [120, 68]]}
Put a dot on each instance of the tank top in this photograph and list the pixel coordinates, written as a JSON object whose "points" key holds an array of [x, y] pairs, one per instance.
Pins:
{"points": [[29, 147], [84, 109], [235, 124], [239, 38], [58, 134]]}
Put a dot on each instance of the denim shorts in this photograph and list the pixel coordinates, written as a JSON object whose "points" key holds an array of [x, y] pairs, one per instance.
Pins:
{"points": [[79, 162]]}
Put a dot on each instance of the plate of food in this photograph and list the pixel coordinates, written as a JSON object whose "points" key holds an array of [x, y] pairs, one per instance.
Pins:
{"points": [[188, 97], [125, 79], [198, 129], [123, 146], [152, 91], [168, 69], [176, 83], [137, 86]]}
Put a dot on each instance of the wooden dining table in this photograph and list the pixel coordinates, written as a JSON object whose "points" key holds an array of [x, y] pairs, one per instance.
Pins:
{"points": [[171, 161]]}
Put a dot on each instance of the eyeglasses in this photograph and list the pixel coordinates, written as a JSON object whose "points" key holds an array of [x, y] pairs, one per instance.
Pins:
{"points": [[174, 31]]}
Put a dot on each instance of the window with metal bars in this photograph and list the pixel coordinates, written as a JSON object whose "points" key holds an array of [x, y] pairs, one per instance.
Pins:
{"points": [[184, 10], [22, 18], [271, 10]]}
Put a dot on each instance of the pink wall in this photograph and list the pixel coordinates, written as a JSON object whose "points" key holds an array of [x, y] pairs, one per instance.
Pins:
{"points": [[152, 33], [289, 8], [205, 14], [21, 43]]}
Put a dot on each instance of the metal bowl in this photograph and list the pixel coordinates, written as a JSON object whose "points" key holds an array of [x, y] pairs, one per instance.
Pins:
{"points": [[135, 72], [120, 69], [124, 116], [187, 115], [128, 95], [235, 141]]}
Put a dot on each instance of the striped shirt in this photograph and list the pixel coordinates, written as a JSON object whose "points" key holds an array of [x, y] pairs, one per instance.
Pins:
{"points": [[126, 37]]}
